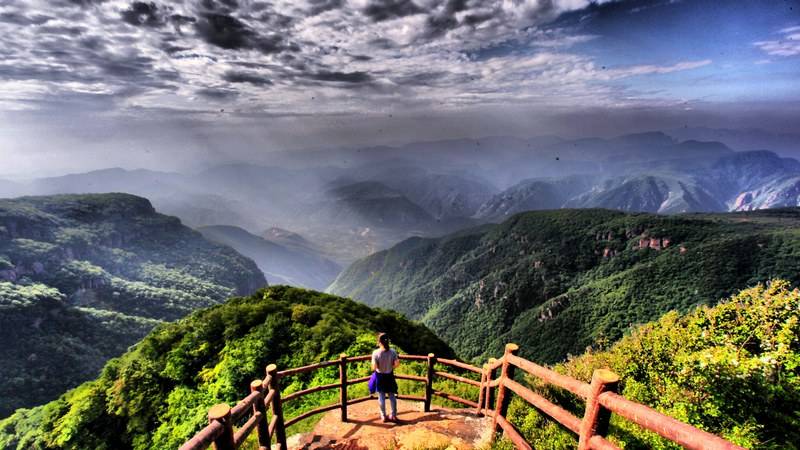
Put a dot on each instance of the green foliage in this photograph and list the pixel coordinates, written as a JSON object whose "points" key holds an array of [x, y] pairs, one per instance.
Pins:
{"points": [[157, 394], [732, 370], [556, 282], [82, 277], [14, 295]]}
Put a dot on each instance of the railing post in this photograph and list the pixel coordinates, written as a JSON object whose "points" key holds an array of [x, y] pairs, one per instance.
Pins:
{"points": [[503, 400], [429, 382], [490, 391], [479, 409], [262, 428], [222, 413], [343, 385], [596, 418], [277, 408]]}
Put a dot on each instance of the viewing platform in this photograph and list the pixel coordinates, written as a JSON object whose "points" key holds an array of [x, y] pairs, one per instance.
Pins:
{"points": [[354, 424], [457, 429]]}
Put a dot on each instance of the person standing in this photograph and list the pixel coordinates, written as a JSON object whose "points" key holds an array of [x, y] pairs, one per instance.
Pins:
{"points": [[384, 361]]}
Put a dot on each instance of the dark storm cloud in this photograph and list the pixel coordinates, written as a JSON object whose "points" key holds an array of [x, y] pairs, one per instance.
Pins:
{"points": [[246, 77], [421, 79], [230, 33], [475, 19], [445, 20], [382, 43], [223, 7], [70, 54], [342, 77], [140, 68], [217, 94], [270, 19], [44, 72], [181, 19], [320, 6], [224, 31], [380, 10], [143, 14], [23, 20], [75, 30], [79, 2], [438, 25], [171, 48]]}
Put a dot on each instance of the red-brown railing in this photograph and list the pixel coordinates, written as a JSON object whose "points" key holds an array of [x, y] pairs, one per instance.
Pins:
{"points": [[266, 395], [493, 389], [601, 400]]}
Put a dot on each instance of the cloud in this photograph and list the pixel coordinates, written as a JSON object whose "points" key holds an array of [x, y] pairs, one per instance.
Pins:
{"points": [[273, 57], [650, 69], [143, 14], [380, 10], [23, 20], [787, 45], [246, 77], [229, 33], [343, 77], [217, 94], [320, 6]]}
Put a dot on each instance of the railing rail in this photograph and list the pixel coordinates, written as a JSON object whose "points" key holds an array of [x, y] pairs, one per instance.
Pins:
{"points": [[264, 404], [266, 397], [601, 400]]}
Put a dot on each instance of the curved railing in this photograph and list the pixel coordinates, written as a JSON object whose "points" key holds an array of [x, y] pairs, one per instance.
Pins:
{"points": [[600, 397], [266, 395]]}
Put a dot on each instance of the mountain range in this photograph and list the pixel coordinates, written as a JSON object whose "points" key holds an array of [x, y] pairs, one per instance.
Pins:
{"points": [[352, 202], [296, 265], [558, 281]]}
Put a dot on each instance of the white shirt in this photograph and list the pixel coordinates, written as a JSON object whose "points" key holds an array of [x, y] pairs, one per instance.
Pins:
{"points": [[384, 360]]}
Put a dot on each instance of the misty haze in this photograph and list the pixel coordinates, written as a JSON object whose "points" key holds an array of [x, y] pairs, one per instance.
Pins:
{"points": [[190, 191]]}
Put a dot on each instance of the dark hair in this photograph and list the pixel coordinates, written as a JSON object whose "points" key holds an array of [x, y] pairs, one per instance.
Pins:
{"points": [[383, 340]]}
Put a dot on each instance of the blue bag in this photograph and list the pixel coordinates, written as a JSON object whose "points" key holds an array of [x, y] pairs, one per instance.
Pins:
{"points": [[372, 384]]}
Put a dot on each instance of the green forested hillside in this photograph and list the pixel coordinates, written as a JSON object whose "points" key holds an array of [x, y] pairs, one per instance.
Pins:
{"points": [[733, 370], [558, 281], [157, 395], [82, 277]]}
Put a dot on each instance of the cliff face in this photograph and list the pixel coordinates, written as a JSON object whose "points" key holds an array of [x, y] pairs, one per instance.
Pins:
{"points": [[558, 281], [90, 274]]}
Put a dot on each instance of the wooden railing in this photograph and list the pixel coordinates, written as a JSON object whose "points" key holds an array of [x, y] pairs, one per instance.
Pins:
{"points": [[266, 395], [494, 395], [601, 400]]}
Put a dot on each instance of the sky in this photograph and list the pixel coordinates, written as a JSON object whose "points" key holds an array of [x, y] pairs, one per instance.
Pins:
{"points": [[86, 84]]}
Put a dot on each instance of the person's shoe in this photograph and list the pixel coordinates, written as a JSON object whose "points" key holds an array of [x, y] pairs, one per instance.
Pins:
{"points": [[385, 419], [394, 419]]}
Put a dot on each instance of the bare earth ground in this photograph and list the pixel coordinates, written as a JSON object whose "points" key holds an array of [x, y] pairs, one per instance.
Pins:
{"points": [[442, 428]]}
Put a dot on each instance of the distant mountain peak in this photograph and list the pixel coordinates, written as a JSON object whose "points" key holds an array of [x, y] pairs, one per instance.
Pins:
{"points": [[645, 138], [364, 190], [282, 261]]}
